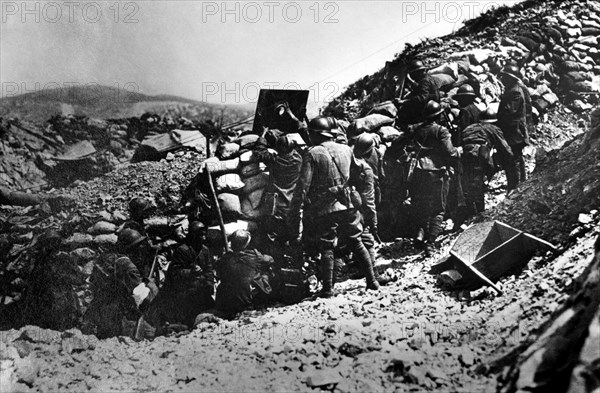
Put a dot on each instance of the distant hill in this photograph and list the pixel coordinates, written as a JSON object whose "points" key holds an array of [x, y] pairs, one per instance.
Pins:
{"points": [[106, 102]]}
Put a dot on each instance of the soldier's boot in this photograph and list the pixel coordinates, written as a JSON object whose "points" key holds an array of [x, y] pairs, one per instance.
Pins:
{"points": [[381, 280], [435, 229], [327, 264], [364, 259]]}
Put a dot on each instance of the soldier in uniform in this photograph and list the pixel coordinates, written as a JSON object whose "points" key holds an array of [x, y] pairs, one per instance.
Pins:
{"points": [[469, 112], [324, 193], [121, 293], [190, 281], [429, 186], [284, 170], [515, 119], [478, 142], [425, 90], [139, 209], [244, 275], [364, 180]]}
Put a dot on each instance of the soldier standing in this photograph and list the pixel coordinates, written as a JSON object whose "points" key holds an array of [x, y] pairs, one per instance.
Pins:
{"points": [[469, 112], [478, 142], [429, 185], [364, 180], [324, 193], [514, 119]]}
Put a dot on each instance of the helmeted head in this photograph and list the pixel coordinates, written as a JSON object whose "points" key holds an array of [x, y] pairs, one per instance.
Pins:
{"points": [[240, 239], [196, 235], [465, 94], [510, 74], [490, 115], [417, 69], [321, 128], [364, 144], [139, 208], [130, 239], [432, 110]]}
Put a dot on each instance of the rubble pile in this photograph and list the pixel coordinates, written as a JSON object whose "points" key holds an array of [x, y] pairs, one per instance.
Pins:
{"points": [[564, 187], [70, 148], [555, 44], [87, 215]]}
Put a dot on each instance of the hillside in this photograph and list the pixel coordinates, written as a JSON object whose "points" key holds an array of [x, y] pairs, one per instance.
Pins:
{"points": [[413, 335], [106, 102]]}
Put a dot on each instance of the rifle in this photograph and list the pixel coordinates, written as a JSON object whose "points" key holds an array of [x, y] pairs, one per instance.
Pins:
{"points": [[219, 213], [139, 326]]}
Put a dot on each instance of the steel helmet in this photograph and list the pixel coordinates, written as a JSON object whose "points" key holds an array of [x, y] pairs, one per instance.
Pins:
{"points": [[365, 143], [139, 206], [196, 227], [432, 109], [240, 239], [490, 115], [465, 90], [416, 65], [322, 125], [129, 238], [512, 71]]}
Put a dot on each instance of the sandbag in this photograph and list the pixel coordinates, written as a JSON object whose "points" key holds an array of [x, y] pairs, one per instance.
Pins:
{"points": [[574, 66], [228, 150], [230, 182], [255, 197], [443, 80], [371, 123], [590, 31], [105, 240], [252, 169], [388, 134], [584, 86], [255, 182], [386, 108], [248, 211], [230, 203], [450, 69], [572, 79], [248, 157], [102, 228], [247, 141], [218, 167]]}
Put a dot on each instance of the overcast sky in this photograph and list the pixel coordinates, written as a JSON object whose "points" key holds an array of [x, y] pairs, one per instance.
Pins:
{"points": [[213, 51]]}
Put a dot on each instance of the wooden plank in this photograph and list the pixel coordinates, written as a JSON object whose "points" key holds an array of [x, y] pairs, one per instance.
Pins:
{"points": [[477, 273]]}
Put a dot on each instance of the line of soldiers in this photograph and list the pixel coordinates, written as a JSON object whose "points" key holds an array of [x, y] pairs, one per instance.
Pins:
{"points": [[323, 202]]}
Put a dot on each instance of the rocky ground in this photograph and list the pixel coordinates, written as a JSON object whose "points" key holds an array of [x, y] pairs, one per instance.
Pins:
{"points": [[409, 336]]}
